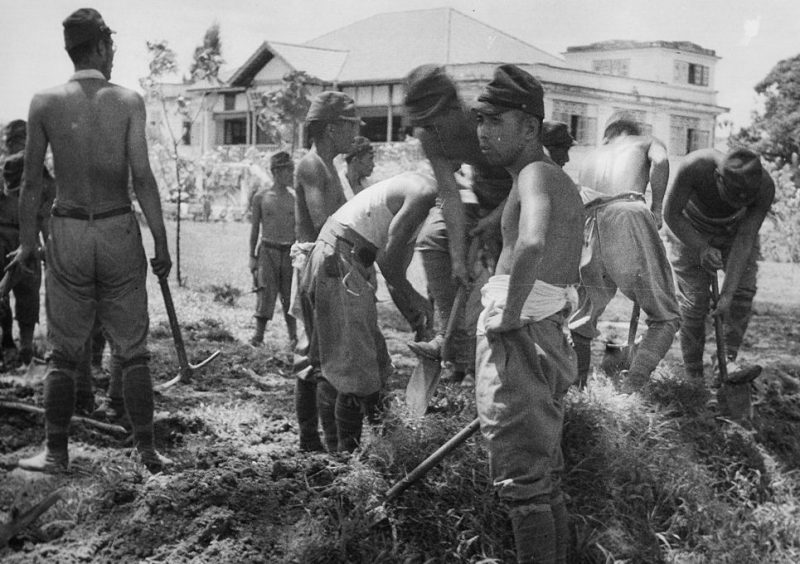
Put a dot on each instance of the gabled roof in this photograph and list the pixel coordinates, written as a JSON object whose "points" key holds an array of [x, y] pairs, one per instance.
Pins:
{"points": [[388, 46], [321, 63]]}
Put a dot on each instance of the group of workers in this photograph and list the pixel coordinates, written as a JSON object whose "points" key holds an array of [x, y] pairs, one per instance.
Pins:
{"points": [[553, 254]]}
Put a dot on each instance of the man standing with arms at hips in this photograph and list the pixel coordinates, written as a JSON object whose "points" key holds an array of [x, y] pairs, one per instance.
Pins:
{"points": [[96, 265], [360, 162], [332, 125], [525, 363], [270, 263], [622, 247], [714, 209]]}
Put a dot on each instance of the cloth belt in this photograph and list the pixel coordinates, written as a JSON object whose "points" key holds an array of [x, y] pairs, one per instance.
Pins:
{"points": [[348, 240], [276, 246], [81, 214], [606, 200]]}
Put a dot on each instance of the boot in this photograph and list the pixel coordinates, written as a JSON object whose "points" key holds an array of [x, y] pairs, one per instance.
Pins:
{"points": [[534, 534], [326, 407], [349, 421], [59, 402], [137, 387], [305, 402]]}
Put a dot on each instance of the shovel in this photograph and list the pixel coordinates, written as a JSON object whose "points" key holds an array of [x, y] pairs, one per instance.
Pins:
{"points": [[618, 357], [186, 369], [734, 394], [21, 519]]}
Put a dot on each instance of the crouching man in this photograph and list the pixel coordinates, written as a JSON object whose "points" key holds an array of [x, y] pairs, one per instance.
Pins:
{"points": [[378, 225], [525, 362]]}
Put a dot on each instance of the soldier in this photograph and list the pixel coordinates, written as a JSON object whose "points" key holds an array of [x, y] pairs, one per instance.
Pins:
{"points": [[557, 141], [96, 265], [525, 363], [622, 248], [26, 284], [713, 210], [377, 226], [270, 263], [332, 125], [360, 162]]}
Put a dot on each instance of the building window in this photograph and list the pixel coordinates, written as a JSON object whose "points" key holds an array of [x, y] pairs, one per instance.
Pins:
{"points": [[230, 101], [691, 73], [375, 128], [235, 132], [186, 133], [687, 135], [616, 67], [582, 126]]}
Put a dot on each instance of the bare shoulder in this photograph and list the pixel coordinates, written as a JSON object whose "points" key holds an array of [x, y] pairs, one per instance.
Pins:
{"points": [[544, 175]]}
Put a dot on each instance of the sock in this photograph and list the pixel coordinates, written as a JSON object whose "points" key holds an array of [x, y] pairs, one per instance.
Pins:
{"points": [[305, 403], [261, 326], [137, 389], [59, 405], [349, 421], [115, 390], [326, 406]]}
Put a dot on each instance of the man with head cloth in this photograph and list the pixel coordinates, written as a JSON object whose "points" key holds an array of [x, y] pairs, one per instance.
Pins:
{"points": [[714, 209], [525, 363], [96, 265]]}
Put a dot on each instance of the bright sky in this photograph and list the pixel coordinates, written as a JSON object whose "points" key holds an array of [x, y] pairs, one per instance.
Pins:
{"points": [[749, 36]]}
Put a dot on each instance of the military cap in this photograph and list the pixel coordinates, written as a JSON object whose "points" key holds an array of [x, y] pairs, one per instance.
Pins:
{"points": [[556, 134], [742, 177], [360, 146], [332, 106], [280, 159], [429, 92], [84, 25], [12, 170], [511, 88], [15, 130]]}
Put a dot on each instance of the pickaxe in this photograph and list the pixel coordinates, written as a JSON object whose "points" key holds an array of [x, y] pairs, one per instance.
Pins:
{"points": [[186, 369], [20, 520]]}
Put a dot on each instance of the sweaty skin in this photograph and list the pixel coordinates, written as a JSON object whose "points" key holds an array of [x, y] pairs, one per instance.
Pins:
{"points": [[695, 181], [627, 163], [97, 133]]}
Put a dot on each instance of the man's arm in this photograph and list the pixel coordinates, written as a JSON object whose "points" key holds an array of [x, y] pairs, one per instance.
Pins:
{"points": [[313, 177], [453, 214], [31, 191], [534, 222], [145, 187], [743, 243], [659, 174], [675, 201], [255, 229]]}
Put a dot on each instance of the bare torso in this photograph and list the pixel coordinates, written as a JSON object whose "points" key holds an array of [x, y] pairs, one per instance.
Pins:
{"points": [[276, 207], [564, 238], [319, 193], [86, 123], [618, 167]]}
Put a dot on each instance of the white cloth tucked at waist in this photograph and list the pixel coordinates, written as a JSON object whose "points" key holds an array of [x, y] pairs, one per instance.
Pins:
{"points": [[543, 301], [299, 253], [591, 196]]}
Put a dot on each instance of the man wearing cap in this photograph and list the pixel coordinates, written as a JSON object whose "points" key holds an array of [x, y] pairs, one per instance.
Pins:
{"points": [[557, 141], [360, 162], [270, 263], [332, 124], [96, 264], [25, 284], [376, 226], [446, 130], [525, 362], [713, 210], [622, 247]]}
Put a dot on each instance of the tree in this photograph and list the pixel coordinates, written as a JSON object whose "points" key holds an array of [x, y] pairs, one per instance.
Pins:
{"points": [[775, 132], [205, 66], [286, 108]]}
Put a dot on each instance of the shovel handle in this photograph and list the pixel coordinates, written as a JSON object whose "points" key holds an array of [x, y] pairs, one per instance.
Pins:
{"points": [[722, 356], [634, 325], [183, 361]]}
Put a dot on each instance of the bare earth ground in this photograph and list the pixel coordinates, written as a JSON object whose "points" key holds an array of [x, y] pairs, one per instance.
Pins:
{"points": [[239, 490]]}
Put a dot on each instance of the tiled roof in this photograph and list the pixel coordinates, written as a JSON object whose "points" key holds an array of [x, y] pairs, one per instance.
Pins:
{"points": [[619, 44]]}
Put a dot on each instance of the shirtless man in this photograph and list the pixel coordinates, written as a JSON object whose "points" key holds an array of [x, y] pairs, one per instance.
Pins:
{"points": [[332, 126], [271, 238], [613, 180], [360, 162], [96, 265], [525, 363], [378, 225], [713, 210], [446, 130]]}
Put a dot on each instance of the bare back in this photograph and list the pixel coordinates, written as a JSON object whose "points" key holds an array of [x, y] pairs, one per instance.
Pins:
{"points": [[620, 166], [88, 123], [544, 207]]}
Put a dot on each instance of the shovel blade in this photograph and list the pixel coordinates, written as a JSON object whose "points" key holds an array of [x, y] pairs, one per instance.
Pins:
{"points": [[421, 386]]}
